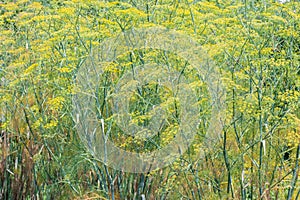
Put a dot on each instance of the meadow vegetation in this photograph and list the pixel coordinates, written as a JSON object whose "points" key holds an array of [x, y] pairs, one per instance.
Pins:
{"points": [[256, 46]]}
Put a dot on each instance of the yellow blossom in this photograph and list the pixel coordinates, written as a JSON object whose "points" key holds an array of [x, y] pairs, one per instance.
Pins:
{"points": [[56, 103]]}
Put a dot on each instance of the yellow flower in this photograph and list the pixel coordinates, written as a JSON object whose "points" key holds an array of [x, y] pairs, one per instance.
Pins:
{"points": [[65, 70], [66, 11], [56, 103], [35, 5], [37, 123], [4, 125], [51, 124], [10, 6], [30, 68]]}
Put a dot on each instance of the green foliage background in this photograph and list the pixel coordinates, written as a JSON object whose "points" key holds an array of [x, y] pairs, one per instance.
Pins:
{"points": [[256, 45]]}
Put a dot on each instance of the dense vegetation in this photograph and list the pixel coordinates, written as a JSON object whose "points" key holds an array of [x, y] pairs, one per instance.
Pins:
{"points": [[256, 46]]}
